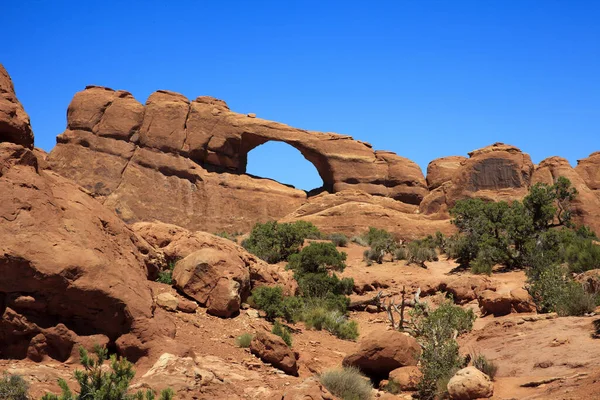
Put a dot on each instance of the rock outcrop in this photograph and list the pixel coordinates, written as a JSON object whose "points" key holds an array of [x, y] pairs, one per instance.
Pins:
{"points": [[14, 121], [496, 172], [352, 212], [441, 170], [589, 170], [155, 161]]}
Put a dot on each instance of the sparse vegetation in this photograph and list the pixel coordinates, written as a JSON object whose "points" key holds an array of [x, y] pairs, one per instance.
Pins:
{"points": [[359, 240], [333, 321], [283, 332], [166, 276], [274, 242], [244, 340], [339, 239], [13, 387], [437, 331], [230, 236], [486, 366], [347, 384], [96, 383], [420, 251]]}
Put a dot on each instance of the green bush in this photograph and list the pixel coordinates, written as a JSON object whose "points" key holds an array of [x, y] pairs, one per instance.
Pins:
{"points": [[553, 290], [317, 257], [274, 242], [13, 387], [321, 284], [582, 255], [270, 300], [339, 239], [283, 332], [166, 276], [333, 321], [244, 340], [420, 251], [375, 235], [347, 384], [373, 255], [436, 331], [95, 383], [486, 366]]}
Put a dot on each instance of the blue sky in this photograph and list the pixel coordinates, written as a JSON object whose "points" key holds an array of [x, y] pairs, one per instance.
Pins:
{"points": [[424, 79]]}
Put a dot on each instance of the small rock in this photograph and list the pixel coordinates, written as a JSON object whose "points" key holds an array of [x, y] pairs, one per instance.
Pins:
{"points": [[187, 306], [372, 309], [470, 383], [167, 301], [251, 115]]}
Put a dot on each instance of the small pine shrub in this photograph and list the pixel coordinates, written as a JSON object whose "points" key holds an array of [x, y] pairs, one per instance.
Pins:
{"points": [[486, 366], [274, 242], [317, 257], [421, 251], [582, 255], [244, 340], [270, 300], [96, 383], [347, 384], [339, 239], [13, 387], [283, 332]]}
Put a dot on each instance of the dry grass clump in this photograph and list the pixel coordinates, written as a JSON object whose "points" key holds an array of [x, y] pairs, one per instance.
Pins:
{"points": [[347, 383]]}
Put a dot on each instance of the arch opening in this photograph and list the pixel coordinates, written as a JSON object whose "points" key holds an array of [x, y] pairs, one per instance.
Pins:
{"points": [[285, 164]]}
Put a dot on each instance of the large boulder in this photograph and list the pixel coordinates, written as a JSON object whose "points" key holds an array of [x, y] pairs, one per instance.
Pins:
{"points": [[469, 384], [14, 121], [177, 243], [384, 351], [187, 161], [464, 289], [495, 303], [217, 280], [273, 350]]}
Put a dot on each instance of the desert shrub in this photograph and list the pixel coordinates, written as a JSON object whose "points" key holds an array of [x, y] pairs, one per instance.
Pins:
{"points": [[339, 239], [374, 235], [486, 366], [283, 332], [166, 276], [317, 257], [333, 321], [244, 340], [274, 242], [392, 387], [96, 383], [347, 383], [420, 251], [373, 255], [582, 255], [359, 240], [227, 235], [321, 284], [13, 387], [270, 300], [553, 290], [292, 308], [400, 253], [437, 331]]}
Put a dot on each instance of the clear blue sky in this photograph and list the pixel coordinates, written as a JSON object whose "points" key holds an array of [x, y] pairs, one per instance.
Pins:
{"points": [[424, 79]]}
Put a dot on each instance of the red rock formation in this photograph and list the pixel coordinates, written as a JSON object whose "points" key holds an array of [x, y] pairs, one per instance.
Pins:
{"points": [[154, 161], [14, 121], [442, 170], [589, 170]]}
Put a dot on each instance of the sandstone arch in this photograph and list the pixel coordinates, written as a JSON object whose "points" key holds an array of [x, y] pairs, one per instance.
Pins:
{"points": [[191, 154]]}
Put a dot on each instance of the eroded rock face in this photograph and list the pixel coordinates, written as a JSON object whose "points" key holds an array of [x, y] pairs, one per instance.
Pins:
{"points": [[69, 259], [384, 351], [14, 121], [589, 170], [496, 172], [154, 161], [352, 212], [441, 170]]}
